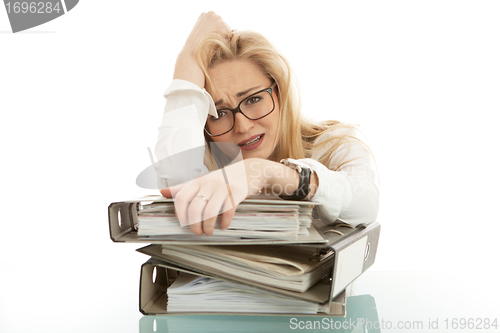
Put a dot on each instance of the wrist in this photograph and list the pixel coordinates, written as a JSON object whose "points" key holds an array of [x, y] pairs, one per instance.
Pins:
{"points": [[187, 68], [302, 191], [281, 179], [260, 172]]}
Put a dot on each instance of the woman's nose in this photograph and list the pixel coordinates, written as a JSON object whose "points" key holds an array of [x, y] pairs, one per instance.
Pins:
{"points": [[241, 123]]}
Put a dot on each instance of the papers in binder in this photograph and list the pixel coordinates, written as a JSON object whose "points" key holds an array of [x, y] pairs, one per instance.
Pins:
{"points": [[288, 267], [191, 293], [264, 220]]}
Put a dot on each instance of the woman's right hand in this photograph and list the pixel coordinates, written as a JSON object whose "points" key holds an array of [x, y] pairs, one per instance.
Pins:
{"points": [[198, 202], [186, 67]]}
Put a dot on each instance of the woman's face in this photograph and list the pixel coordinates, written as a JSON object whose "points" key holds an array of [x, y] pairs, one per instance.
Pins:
{"points": [[233, 82]]}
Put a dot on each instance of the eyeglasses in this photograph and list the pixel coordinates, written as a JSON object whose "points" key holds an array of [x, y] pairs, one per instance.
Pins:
{"points": [[255, 106]]}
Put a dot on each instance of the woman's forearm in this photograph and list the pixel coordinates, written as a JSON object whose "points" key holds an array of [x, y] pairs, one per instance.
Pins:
{"points": [[278, 178], [187, 68]]}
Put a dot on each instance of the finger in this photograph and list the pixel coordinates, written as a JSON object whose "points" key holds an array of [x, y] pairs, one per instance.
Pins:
{"points": [[211, 212], [217, 23], [182, 201], [227, 215], [209, 225], [167, 192], [196, 208], [171, 192], [196, 228]]}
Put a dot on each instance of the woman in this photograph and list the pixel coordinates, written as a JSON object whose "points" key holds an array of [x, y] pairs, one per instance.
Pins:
{"points": [[235, 87]]}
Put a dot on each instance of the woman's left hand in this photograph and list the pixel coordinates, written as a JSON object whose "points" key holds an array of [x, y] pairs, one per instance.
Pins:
{"points": [[198, 202]]}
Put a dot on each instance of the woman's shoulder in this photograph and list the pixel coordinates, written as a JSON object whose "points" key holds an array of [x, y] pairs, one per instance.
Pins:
{"points": [[339, 144], [339, 133]]}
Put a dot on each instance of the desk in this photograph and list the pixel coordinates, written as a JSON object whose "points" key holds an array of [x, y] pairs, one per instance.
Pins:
{"points": [[421, 301]]}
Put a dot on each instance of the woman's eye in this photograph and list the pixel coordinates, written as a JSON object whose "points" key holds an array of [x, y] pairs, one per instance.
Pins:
{"points": [[220, 114], [253, 100]]}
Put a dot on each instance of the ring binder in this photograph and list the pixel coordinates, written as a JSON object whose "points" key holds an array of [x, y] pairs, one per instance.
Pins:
{"points": [[348, 250], [349, 261], [153, 296]]}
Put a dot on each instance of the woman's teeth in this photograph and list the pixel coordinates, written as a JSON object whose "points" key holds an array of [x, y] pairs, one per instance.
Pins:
{"points": [[253, 141]]}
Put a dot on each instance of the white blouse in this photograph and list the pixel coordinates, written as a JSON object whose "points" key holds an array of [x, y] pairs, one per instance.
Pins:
{"points": [[350, 194]]}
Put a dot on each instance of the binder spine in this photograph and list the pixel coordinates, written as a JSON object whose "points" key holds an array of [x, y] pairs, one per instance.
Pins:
{"points": [[153, 288], [353, 256], [121, 219]]}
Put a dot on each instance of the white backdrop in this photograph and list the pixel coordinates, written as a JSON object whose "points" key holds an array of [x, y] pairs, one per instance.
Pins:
{"points": [[81, 100]]}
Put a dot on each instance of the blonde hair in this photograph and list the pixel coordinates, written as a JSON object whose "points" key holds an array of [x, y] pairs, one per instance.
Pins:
{"points": [[296, 134]]}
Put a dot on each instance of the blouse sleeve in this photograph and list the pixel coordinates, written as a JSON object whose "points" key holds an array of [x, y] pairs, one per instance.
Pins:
{"points": [[180, 136], [348, 184]]}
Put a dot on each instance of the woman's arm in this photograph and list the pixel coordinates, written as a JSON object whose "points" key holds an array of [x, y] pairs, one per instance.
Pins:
{"points": [[199, 202], [347, 183], [349, 193], [186, 67], [186, 110]]}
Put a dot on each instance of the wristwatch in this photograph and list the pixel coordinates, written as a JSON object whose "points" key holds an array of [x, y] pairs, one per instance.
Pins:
{"points": [[305, 178]]}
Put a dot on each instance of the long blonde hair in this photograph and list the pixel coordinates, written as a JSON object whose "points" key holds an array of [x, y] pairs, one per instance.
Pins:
{"points": [[296, 134]]}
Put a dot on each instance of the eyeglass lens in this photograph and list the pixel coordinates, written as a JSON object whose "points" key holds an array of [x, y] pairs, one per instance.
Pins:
{"points": [[255, 106]]}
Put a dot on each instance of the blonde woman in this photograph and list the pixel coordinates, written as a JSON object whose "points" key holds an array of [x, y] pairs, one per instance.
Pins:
{"points": [[235, 87]]}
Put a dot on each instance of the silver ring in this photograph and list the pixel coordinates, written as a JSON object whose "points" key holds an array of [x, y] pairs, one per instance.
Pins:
{"points": [[202, 196]]}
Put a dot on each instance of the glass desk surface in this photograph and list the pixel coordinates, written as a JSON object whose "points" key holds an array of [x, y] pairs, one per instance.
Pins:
{"points": [[379, 302]]}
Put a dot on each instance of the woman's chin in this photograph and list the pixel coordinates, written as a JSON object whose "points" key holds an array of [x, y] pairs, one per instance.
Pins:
{"points": [[250, 154], [255, 154]]}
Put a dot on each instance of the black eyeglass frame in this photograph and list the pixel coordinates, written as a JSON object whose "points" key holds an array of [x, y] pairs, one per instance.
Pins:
{"points": [[238, 109]]}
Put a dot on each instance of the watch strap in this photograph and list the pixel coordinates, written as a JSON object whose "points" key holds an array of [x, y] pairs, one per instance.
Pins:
{"points": [[305, 177]]}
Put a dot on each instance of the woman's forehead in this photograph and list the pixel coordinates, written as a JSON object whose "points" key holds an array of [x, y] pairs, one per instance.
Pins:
{"points": [[232, 78]]}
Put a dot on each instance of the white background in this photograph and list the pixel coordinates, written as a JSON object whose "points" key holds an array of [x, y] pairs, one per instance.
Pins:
{"points": [[81, 100]]}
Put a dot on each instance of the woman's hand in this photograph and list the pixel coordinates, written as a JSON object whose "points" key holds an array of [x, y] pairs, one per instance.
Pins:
{"points": [[199, 202], [207, 23], [186, 67]]}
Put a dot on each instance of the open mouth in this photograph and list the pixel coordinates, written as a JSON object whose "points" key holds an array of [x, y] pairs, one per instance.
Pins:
{"points": [[253, 144], [252, 141]]}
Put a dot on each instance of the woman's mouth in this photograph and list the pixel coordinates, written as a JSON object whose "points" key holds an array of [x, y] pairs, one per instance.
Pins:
{"points": [[252, 144]]}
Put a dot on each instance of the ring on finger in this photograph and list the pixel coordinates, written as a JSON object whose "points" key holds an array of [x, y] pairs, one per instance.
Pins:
{"points": [[202, 197]]}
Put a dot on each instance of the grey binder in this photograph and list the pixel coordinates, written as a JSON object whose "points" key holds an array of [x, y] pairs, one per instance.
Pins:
{"points": [[354, 252], [153, 292], [123, 226]]}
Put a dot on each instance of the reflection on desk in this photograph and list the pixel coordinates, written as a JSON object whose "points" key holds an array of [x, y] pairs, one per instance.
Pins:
{"points": [[361, 316]]}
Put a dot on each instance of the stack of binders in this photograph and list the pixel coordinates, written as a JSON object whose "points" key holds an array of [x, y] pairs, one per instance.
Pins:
{"points": [[303, 269]]}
